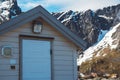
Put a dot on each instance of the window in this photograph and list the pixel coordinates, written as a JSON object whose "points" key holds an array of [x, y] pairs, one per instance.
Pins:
{"points": [[7, 51]]}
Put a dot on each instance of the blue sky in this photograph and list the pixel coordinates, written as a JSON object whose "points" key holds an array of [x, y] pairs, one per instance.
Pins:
{"points": [[63, 5]]}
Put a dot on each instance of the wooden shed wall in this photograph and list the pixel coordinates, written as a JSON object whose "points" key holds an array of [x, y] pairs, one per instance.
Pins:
{"points": [[64, 53]]}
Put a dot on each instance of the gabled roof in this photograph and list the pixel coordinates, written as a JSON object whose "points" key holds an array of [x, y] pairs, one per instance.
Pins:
{"points": [[35, 13]]}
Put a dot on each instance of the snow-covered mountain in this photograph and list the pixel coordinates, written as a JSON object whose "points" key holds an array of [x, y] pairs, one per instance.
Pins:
{"points": [[89, 24], [111, 40], [8, 10], [101, 30]]}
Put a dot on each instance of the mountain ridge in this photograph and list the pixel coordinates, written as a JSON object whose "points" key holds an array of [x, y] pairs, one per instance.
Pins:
{"points": [[88, 24], [101, 30]]}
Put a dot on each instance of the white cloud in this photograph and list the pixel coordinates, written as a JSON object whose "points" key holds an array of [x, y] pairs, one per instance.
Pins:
{"points": [[27, 4], [88, 4], [69, 4], [30, 5]]}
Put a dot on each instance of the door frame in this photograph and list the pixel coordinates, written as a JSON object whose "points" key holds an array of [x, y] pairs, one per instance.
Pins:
{"points": [[21, 38]]}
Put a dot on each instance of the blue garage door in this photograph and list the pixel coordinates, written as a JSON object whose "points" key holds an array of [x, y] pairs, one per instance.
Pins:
{"points": [[36, 60]]}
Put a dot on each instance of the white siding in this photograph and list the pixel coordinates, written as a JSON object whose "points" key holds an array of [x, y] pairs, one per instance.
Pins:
{"points": [[63, 53]]}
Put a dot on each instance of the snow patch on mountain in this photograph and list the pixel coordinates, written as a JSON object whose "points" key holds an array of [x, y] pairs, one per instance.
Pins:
{"points": [[62, 15], [103, 16], [8, 9], [4, 10], [105, 42], [6, 4], [66, 19], [67, 16]]}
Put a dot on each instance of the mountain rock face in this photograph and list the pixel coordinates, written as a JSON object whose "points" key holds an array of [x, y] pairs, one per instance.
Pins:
{"points": [[89, 24], [8, 10], [101, 30], [111, 12]]}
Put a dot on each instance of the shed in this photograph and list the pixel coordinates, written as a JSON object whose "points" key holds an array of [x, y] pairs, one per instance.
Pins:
{"points": [[36, 46]]}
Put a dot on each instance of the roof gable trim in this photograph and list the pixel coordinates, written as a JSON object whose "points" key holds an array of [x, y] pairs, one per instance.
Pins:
{"points": [[41, 12]]}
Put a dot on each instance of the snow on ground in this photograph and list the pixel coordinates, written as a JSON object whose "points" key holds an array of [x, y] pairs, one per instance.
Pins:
{"points": [[107, 40]]}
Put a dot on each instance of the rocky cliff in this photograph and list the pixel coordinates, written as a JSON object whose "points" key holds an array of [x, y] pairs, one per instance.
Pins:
{"points": [[90, 24]]}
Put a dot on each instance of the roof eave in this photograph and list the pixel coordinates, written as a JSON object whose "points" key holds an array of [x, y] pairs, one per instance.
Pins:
{"points": [[41, 12]]}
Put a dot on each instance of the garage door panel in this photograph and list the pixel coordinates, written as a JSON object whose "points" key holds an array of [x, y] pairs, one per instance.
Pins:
{"points": [[35, 68], [42, 78], [35, 71], [36, 56], [37, 75], [36, 60]]}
